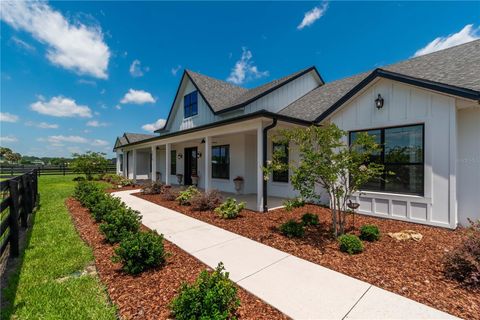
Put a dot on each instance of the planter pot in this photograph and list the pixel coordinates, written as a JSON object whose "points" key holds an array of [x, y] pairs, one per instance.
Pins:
{"points": [[238, 185], [195, 181]]}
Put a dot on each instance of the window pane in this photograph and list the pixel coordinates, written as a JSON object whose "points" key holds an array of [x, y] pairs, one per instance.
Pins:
{"points": [[377, 136], [194, 109], [281, 175], [193, 97], [404, 145], [406, 178], [220, 162]]}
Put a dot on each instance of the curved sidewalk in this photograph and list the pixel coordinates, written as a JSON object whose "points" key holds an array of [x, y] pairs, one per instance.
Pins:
{"points": [[298, 288]]}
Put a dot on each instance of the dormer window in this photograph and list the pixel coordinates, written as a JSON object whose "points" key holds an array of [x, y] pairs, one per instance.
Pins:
{"points": [[190, 104]]}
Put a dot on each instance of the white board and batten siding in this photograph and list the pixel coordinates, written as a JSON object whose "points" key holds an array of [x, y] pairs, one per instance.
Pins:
{"points": [[407, 105]]}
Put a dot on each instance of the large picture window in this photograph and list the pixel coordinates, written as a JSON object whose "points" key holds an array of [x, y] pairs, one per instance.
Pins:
{"points": [[173, 162], [282, 149], [221, 162], [190, 104], [402, 153]]}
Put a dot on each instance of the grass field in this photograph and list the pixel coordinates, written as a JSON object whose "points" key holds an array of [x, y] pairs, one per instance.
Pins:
{"points": [[55, 251]]}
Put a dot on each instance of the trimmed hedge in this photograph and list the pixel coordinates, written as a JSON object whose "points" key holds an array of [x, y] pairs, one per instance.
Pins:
{"points": [[350, 243]]}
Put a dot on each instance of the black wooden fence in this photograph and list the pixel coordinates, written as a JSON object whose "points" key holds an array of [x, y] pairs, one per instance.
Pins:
{"points": [[19, 199], [13, 170]]}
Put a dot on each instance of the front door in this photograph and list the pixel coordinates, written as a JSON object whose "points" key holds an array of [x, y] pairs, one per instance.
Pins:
{"points": [[190, 164]]}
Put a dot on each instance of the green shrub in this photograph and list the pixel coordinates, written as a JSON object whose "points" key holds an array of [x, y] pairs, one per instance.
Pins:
{"points": [[186, 195], [229, 209], [310, 219], [107, 204], [120, 223], [369, 232], [293, 203], [140, 251], [212, 296], [292, 229], [88, 193], [350, 243]]}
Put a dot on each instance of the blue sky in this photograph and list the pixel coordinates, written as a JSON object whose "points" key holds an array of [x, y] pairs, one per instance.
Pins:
{"points": [[74, 75]]}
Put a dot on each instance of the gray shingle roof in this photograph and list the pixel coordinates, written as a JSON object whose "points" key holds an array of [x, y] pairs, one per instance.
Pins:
{"points": [[457, 66], [135, 137], [222, 95]]}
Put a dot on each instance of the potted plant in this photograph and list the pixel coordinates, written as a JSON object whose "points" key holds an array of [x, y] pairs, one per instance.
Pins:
{"points": [[179, 178], [238, 181], [194, 179]]}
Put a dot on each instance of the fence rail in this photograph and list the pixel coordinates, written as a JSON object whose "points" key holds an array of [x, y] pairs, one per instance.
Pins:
{"points": [[19, 199], [14, 170]]}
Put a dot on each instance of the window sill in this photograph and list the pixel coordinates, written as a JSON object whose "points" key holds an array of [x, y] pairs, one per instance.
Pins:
{"points": [[280, 183], [221, 179], [191, 117]]}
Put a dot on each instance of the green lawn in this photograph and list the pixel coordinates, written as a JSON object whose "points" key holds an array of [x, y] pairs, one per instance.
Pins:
{"points": [[55, 250]]}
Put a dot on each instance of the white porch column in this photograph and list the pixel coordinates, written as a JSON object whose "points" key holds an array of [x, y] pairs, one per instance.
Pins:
{"points": [[118, 163], [124, 164], [259, 168], [208, 162], [154, 163], [168, 148], [134, 165]]}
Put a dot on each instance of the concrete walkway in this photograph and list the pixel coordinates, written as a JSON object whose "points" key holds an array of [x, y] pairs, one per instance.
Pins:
{"points": [[298, 288]]}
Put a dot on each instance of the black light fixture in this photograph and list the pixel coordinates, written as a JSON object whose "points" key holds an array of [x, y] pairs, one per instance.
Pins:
{"points": [[379, 102], [203, 141], [199, 155], [180, 156]]}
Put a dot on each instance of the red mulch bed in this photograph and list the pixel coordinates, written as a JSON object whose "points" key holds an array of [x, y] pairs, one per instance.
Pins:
{"points": [[148, 295], [411, 269]]}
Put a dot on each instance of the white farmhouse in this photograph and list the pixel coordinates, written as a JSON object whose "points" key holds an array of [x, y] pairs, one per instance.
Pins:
{"points": [[425, 112]]}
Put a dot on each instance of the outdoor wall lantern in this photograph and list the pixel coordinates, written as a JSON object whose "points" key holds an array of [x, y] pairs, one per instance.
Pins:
{"points": [[180, 156], [199, 155], [379, 102]]}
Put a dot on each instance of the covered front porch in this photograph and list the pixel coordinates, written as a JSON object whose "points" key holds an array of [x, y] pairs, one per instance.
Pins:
{"points": [[212, 159]]}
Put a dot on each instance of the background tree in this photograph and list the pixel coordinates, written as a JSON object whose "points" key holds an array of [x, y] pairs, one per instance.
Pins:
{"points": [[90, 163], [10, 156], [325, 160]]}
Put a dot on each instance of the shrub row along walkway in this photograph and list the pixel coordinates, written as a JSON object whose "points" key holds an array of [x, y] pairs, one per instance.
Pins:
{"points": [[298, 288]]}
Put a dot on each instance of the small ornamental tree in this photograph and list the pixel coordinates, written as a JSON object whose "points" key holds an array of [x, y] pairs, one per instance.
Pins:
{"points": [[90, 163], [326, 160]]}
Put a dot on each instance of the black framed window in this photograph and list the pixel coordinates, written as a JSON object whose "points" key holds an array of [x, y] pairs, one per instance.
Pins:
{"points": [[221, 162], [173, 161], [402, 153], [282, 149], [190, 104]]}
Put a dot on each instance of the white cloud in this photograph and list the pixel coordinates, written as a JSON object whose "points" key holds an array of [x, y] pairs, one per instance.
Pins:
{"points": [[175, 70], [136, 69], [96, 124], [8, 117], [313, 15], [42, 125], [118, 107], [22, 44], [8, 139], [150, 127], [61, 107], [60, 140], [245, 69], [137, 97], [467, 34], [74, 46], [99, 143]]}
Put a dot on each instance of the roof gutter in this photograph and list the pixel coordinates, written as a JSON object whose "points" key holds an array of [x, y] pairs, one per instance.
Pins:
{"points": [[264, 160]]}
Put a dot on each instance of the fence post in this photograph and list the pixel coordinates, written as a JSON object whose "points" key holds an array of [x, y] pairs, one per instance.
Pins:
{"points": [[11, 171], [13, 217], [26, 199]]}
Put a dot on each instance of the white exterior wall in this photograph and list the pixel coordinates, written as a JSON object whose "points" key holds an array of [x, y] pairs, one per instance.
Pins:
{"points": [[468, 164], [282, 97], [406, 105]]}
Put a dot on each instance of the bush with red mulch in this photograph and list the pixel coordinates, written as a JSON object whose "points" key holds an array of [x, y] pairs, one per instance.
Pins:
{"points": [[149, 294], [409, 268]]}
